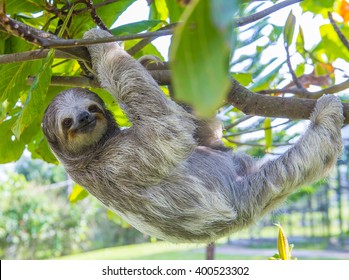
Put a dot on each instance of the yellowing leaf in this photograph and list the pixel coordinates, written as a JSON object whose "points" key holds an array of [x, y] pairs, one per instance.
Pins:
{"points": [[158, 10], [268, 134], [283, 246], [117, 219], [78, 193], [344, 10]]}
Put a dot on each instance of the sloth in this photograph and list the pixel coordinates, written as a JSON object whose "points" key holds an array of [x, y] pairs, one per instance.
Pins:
{"points": [[169, 174]]}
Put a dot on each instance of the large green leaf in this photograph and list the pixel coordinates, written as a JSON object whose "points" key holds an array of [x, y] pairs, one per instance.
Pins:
{"points": [[23, 6], [34, 103], [175, 10], [14, 75], [40, 149], [135, 27], [10, 148], [111, 12], [199, 60], [11, 83]]}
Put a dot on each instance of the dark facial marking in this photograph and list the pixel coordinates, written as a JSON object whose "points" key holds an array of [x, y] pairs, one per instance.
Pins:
{"points": [[67, 123], [93, 109]]}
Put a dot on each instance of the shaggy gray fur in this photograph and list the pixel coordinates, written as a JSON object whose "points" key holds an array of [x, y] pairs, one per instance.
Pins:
{"points": [[156, 176]]}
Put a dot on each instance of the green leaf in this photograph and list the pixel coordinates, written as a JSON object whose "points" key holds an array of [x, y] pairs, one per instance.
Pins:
{"points": [[317, 6], [289, 29], [34, 103], [149, 49], [199, 60], [243, 78], [158, 10], [135, 27], [223, 11], [300, 39], [11, 73], [265, 81], [78, 193], [175, 10], [268, 134], [39, 148], [114, 107], [108, 13], [10, 148], [330, 45], [276, 32], [28, 6], [300, 69]]}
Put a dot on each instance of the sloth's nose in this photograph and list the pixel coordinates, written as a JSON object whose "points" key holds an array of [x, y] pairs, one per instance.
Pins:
{"points": [[84, 117]]}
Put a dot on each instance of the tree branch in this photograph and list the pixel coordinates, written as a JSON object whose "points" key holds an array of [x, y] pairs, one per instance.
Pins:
{"points": [[248, 102], [162, 77], [271, 106], [33, 55], [71, 46], [69, 81], [243, 99]]}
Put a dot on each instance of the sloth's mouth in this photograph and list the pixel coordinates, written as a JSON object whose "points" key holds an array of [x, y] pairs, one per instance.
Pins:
{"points": [[86, 127]]}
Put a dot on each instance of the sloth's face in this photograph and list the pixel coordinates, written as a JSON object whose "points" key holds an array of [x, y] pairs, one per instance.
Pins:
{"points": [[82, 124], [79, 120]]}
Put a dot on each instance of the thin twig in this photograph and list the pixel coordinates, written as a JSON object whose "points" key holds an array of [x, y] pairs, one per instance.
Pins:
{"points": [[253, 144], [256, 130], [339, 33], [314, 95], [241, 120], [62, 43], [293, 74], [95, 17], [140, 45], [262, 14], [97, 5]]}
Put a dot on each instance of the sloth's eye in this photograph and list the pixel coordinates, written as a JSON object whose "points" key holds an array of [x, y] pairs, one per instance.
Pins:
{"points": [[67, 122], [93, 108]]}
